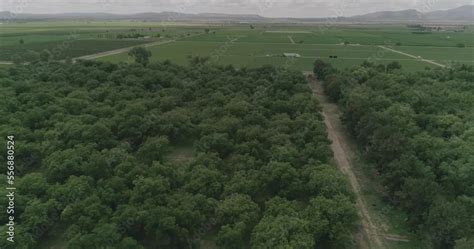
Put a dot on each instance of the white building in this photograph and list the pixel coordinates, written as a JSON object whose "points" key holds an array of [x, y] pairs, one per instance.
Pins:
{"points": [[291, 55]]}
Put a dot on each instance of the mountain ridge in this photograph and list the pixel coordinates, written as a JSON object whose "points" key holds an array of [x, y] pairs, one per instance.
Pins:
{"points": [[463, 14]]}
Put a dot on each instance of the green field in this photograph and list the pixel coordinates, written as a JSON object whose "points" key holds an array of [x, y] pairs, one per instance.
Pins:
{"points": [[442, 55], [215, 129], [241, 45], [74, 39], [255, 54]]}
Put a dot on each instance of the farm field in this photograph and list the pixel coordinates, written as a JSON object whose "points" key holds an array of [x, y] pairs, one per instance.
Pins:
{"points": [[255, 54], [74, 39], [442, 55], [241, 46], [296, 145]]}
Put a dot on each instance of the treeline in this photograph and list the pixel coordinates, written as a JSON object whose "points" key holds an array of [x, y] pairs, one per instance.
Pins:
{"points": [[418, 129], [100, 163]]}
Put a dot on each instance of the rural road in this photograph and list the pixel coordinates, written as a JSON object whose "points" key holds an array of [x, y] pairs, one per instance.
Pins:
{"points": [[413, 56], [123, 50], [291, 39], [120, 50], [343, 157]]}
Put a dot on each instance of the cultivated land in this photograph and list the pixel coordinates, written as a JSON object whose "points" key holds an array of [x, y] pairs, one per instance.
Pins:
{"points": [[76, 39], [242, 45]]}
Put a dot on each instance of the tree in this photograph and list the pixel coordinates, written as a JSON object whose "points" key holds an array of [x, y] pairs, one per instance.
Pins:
{"points": [[93, 139], [238, 208], [407, 124], [217, 142], [395, 65], [45, 56], [322, 69], [337, 213], [332, 87], [31, 56], [103, 236], [141, 55], [16, 59], [447, 222], [233, 236], [326, 181], [153, 149], [205, 180], [33, 184], [281, 178], [129, 243], [282, 232]]}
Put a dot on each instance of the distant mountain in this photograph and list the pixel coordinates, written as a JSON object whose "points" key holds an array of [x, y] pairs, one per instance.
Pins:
{"points": [[6, 15], [402, 15], [460, 14], [464, 13], [152, 16]]}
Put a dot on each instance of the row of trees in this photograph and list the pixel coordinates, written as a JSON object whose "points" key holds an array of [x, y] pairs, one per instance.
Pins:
{"points": [[418, 129], [96, 157]]}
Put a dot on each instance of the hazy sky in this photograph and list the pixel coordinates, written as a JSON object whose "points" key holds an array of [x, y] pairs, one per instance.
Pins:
{"points": [[278, 8]]}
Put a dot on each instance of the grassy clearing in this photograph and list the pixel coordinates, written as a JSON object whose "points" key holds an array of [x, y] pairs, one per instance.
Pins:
{"points": [[181, 154]]}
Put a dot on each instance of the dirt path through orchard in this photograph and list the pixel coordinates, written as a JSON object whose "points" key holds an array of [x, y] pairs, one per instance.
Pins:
{"points": [[343, 156]]}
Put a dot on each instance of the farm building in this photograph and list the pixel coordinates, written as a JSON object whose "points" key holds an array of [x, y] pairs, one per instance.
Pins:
{"points": [[291, 55]]}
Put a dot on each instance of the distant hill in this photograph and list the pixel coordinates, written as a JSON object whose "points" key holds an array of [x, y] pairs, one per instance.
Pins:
{"points": [[402, 15], [152, 16], [460, 14], [464, 13]]}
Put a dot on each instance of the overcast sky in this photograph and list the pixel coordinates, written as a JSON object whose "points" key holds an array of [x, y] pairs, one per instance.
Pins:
{"points": [[269, 8]]}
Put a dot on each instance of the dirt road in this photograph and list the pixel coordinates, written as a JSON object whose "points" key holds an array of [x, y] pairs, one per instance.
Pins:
{"points": [[121, 50], [291, 39], [413, 56], [344, 156]]}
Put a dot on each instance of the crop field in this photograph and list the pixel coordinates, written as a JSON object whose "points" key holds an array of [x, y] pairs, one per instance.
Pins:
{"points": [[74, 39], [445, 55], [118, 152], [255, 54], [69, 49], [243, 44]]}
